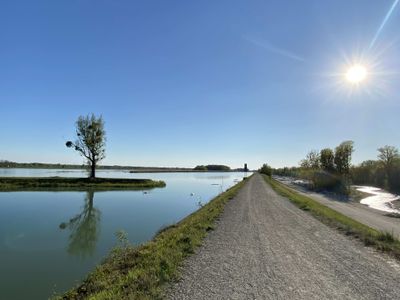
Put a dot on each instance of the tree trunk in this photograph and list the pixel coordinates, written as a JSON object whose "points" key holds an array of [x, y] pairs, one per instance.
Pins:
{"points": [[89, 199], [93, 170]]}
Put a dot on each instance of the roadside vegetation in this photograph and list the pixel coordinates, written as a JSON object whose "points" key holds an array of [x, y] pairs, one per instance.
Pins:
{"points": [[325, 170], [266, 170], [143, 272], [382, 241], [66, 183], [331, 170]]}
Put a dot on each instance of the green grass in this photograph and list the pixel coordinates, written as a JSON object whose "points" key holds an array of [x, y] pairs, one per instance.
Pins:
{"points": [[142, 272], [66, 183], [383, 241]]}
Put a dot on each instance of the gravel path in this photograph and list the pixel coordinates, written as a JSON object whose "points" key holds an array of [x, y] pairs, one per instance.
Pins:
{"points": [[264, 247]]}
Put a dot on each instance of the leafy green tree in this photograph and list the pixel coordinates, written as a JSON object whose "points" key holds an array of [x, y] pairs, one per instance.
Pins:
{"points": [[342, 159], [327, 159], [90, 141], [266, 169]]}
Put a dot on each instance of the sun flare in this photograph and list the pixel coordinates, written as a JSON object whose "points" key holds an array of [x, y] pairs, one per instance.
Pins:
{"points": [[356, 74]]}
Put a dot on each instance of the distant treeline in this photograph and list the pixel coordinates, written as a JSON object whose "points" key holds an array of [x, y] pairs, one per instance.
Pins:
{"points": [[133, 169], [383, 172], [212, 168], [10, 164], [332, 170]]}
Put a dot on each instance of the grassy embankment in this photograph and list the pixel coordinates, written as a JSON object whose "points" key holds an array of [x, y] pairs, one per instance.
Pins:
{"points": [[142, 272], [75, 184], [382, 241]]}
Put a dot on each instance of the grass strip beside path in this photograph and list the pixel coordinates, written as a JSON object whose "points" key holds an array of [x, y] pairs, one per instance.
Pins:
{"points": [[382, 241], [72, 183], [142, 272]]}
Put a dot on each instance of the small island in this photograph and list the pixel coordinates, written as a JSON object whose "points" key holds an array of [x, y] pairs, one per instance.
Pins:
{"points": [[75, 184], [90, 144], [207, 168]]}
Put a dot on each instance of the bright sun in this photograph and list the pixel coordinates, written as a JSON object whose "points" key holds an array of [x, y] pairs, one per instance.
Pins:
{"points": [[356, 74]]}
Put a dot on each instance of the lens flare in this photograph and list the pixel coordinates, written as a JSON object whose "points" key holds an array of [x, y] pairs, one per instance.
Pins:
{"points": [[356, 74]]}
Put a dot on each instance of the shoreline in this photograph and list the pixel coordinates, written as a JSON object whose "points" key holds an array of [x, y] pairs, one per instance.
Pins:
{"points": [[128, 170], [14, 184], [144, 271]]}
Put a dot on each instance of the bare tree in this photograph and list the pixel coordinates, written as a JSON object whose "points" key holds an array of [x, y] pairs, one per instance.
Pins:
{"points": [[91, 141], [388, 155]]}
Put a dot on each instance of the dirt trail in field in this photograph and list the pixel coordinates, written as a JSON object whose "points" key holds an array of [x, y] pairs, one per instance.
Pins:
{"points": [[264, 247]]}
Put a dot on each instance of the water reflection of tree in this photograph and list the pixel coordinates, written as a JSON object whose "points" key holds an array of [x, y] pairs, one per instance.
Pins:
{"points": [[84, 229]]}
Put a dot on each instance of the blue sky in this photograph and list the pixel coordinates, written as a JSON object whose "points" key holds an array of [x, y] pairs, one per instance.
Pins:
{"points": [[182, 83]]}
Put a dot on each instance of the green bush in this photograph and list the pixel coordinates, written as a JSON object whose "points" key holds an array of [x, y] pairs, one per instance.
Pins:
{"points": [[266, 170]]}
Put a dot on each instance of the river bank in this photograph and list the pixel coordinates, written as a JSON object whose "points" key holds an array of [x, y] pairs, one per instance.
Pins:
{"points": [[67, 233], [142, 272]]}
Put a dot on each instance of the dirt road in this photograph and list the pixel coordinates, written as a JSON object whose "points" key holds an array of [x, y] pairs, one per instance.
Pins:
{"points": [[357, 211], [264, 247]]}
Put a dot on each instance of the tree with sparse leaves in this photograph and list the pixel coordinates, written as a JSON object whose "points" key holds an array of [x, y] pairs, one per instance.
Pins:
{"points": [[342, 158], [312, 160], [388, 157], [90, 141]]}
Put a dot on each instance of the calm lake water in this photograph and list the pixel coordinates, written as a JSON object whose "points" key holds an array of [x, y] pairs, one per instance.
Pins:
{"points": [[49, 241]]}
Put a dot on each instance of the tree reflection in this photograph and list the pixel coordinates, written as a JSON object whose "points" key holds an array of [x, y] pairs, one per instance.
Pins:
{"points": [[84, 229]]}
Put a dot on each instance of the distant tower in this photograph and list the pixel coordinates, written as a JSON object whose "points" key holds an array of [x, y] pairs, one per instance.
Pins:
{"points": [[245, 168]]}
